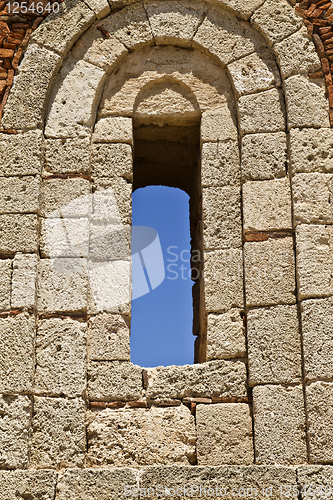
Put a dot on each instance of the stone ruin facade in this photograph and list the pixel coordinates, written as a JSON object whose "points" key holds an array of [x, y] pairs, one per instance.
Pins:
{"points": [[231, 101]]}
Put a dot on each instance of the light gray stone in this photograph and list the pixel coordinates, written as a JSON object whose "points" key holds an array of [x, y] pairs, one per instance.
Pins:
{"points": [[112, 160], [109, 242], [24, 281], [224, 434], [19, 194], [67, 156], [319, 404], [138, 437], [225, 335], [64, 237], [276, 19], [112, 201], [5, 283], [14, 431], [21, 154], [274, 346], [263, 112], [109, 338], [100, 7], [114, 129], [244, 8], [23, 484], [311, 150], [279, 425], [220, 164], [264, 156], [61, 347], [312, 196], [57, 195], [114, 381], [18, 233], [315, 480]]}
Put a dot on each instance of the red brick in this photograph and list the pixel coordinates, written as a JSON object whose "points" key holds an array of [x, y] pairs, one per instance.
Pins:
{"points": [[256, 237], [137, 404], [325, 65], [99, 404], [319, 45], [115, 405], [6, 53]]}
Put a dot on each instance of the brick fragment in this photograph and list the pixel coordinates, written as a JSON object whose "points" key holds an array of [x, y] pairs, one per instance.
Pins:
{"points": [[137, 404], [320, 46], [314, 76], [328, 79], [309, 27], [311, 10], [316, 13], [97, 405], [319, 22], [327, 39], [197, 400], [6, 53], [193, 408], [256, 237], [323, 31], [325, 65], [115, 405], [169, 402]]}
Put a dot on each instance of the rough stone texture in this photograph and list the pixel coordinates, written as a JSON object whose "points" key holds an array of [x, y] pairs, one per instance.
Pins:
{"points": [[270, 272], [15, 414], [225, 336], [274, 346], [224, 434], [63, 237], [218, 126], [109, 242], [264, 156], [109, 338], [315, 480], [58, 433], [254, 73], [114, 381], [223, 271], [267, 205], [100, 7], [67, 156], [24, 281], [244, 8], [61, 357], [23, 484], [16, 353], [276, 19], [312, 195], [279, 425], [263, 112], [18, 233], [21, 154], [57, 195], [137, 437], [19, 194], [220, 164], [222, 221], [215, 378], [319, 404], [311, 150], [112, 201], [306, 103], [114, 129], [5, 282], [112, 160]]}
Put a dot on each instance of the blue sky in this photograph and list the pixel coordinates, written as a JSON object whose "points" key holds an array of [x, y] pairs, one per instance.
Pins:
{"points": [[161, 328]]}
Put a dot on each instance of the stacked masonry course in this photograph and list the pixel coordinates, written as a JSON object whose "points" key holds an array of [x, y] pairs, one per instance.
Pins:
{"points": [[79, 421]]}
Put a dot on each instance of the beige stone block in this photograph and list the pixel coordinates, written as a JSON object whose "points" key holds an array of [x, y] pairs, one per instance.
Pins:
{"points": [[114, 381], [311, 150], [312, 195], [61, 347], [139, 437], [319, 404], [5, 283], [58, 433], [24, 281], [109, 242], [270, 272], [244, 8], [112, 160], [16, 353], [254, 73], [306, 103], [14, 431], [276, 20], [18, 233], [114, 129], [220, 164], [62, 285], [109, 338], [215, 378], [264, 156], [21, 154], [219, 125], [267, 205], [274, 346], [315, 480], [224, 434], [223, 271], [19, 194], [67, 156], [225, 335], [18, 484], [279, 425], [100, 7], [112, 201], [263, 112], [63, 237], [222, 221], [65, 198]]}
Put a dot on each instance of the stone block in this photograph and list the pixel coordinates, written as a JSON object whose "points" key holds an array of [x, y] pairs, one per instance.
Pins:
{"points": [[112, 201], [109, 242], [267, 205], [279, 425], [311, 150], [270, 272], [254, 73], [306, 103], [58, 433], [109, 338], [225, 335], [276, 19], [65, 198], [100, 7], [16, 353], [139, 437], [22, 484], [274, 346], [114, 381], [14, 431], [64, 237], [264, 156], [114, 160], [62, 285], [114, 129], [223, 271], [67, 156], [19, 194], [263, 112], [315, 480], [5, 283], [319, 404], [21, 154], [312, 194], [224, 434], [218, 125], [18, 233], [24, 281], [222, 220], [244, 8], [215, 378], [61, 347], [220, 164]]}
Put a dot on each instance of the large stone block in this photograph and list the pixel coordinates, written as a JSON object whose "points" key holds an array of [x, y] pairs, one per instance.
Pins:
{"points": [[219, 125], [23, 484], [274, 346], [279, 425], [270, 272], [67, 156], [311, 150], [114, 129], [112, 160], [220, 164], [109, 242], [137, 437], [112, 201], [14, 431], [312, 194], [315, 480], [114, 381], [65, 198], [5, 283], [244, 8], [16, 353], [215, 378], [263, 112], [21, 154], [267, 205], [61, 347], [264, 156], [58, 433], [224, 434], [24, 281], [276, 20], [18, 233], [19, 194], [64, 237], [109, 338], [319, 404], [225, 335]]}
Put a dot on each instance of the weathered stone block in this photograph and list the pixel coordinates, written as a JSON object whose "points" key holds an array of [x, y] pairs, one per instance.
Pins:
{"points": [[244, 8], [114, 381], [315, 480], [19, 194], [65, 198], [319, 403], [24, 281], [311, 150], [18, 233], [5, 283], [263, 112], [220, 164], [21, 154], [14, 431], [274, 346], [22, 484], [61, 347], [225, 335], [264, 156], [267, 205], [270, 272], [100, 7], [16, 353], [218, 125], [64, 237], [224, 434], [58, 438], [67, 156], [112, 201], [109, 242], [279, 425], [276, 20], [312, 195], [108, 338], [114, 129], [114, 160], [137, 437]]}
